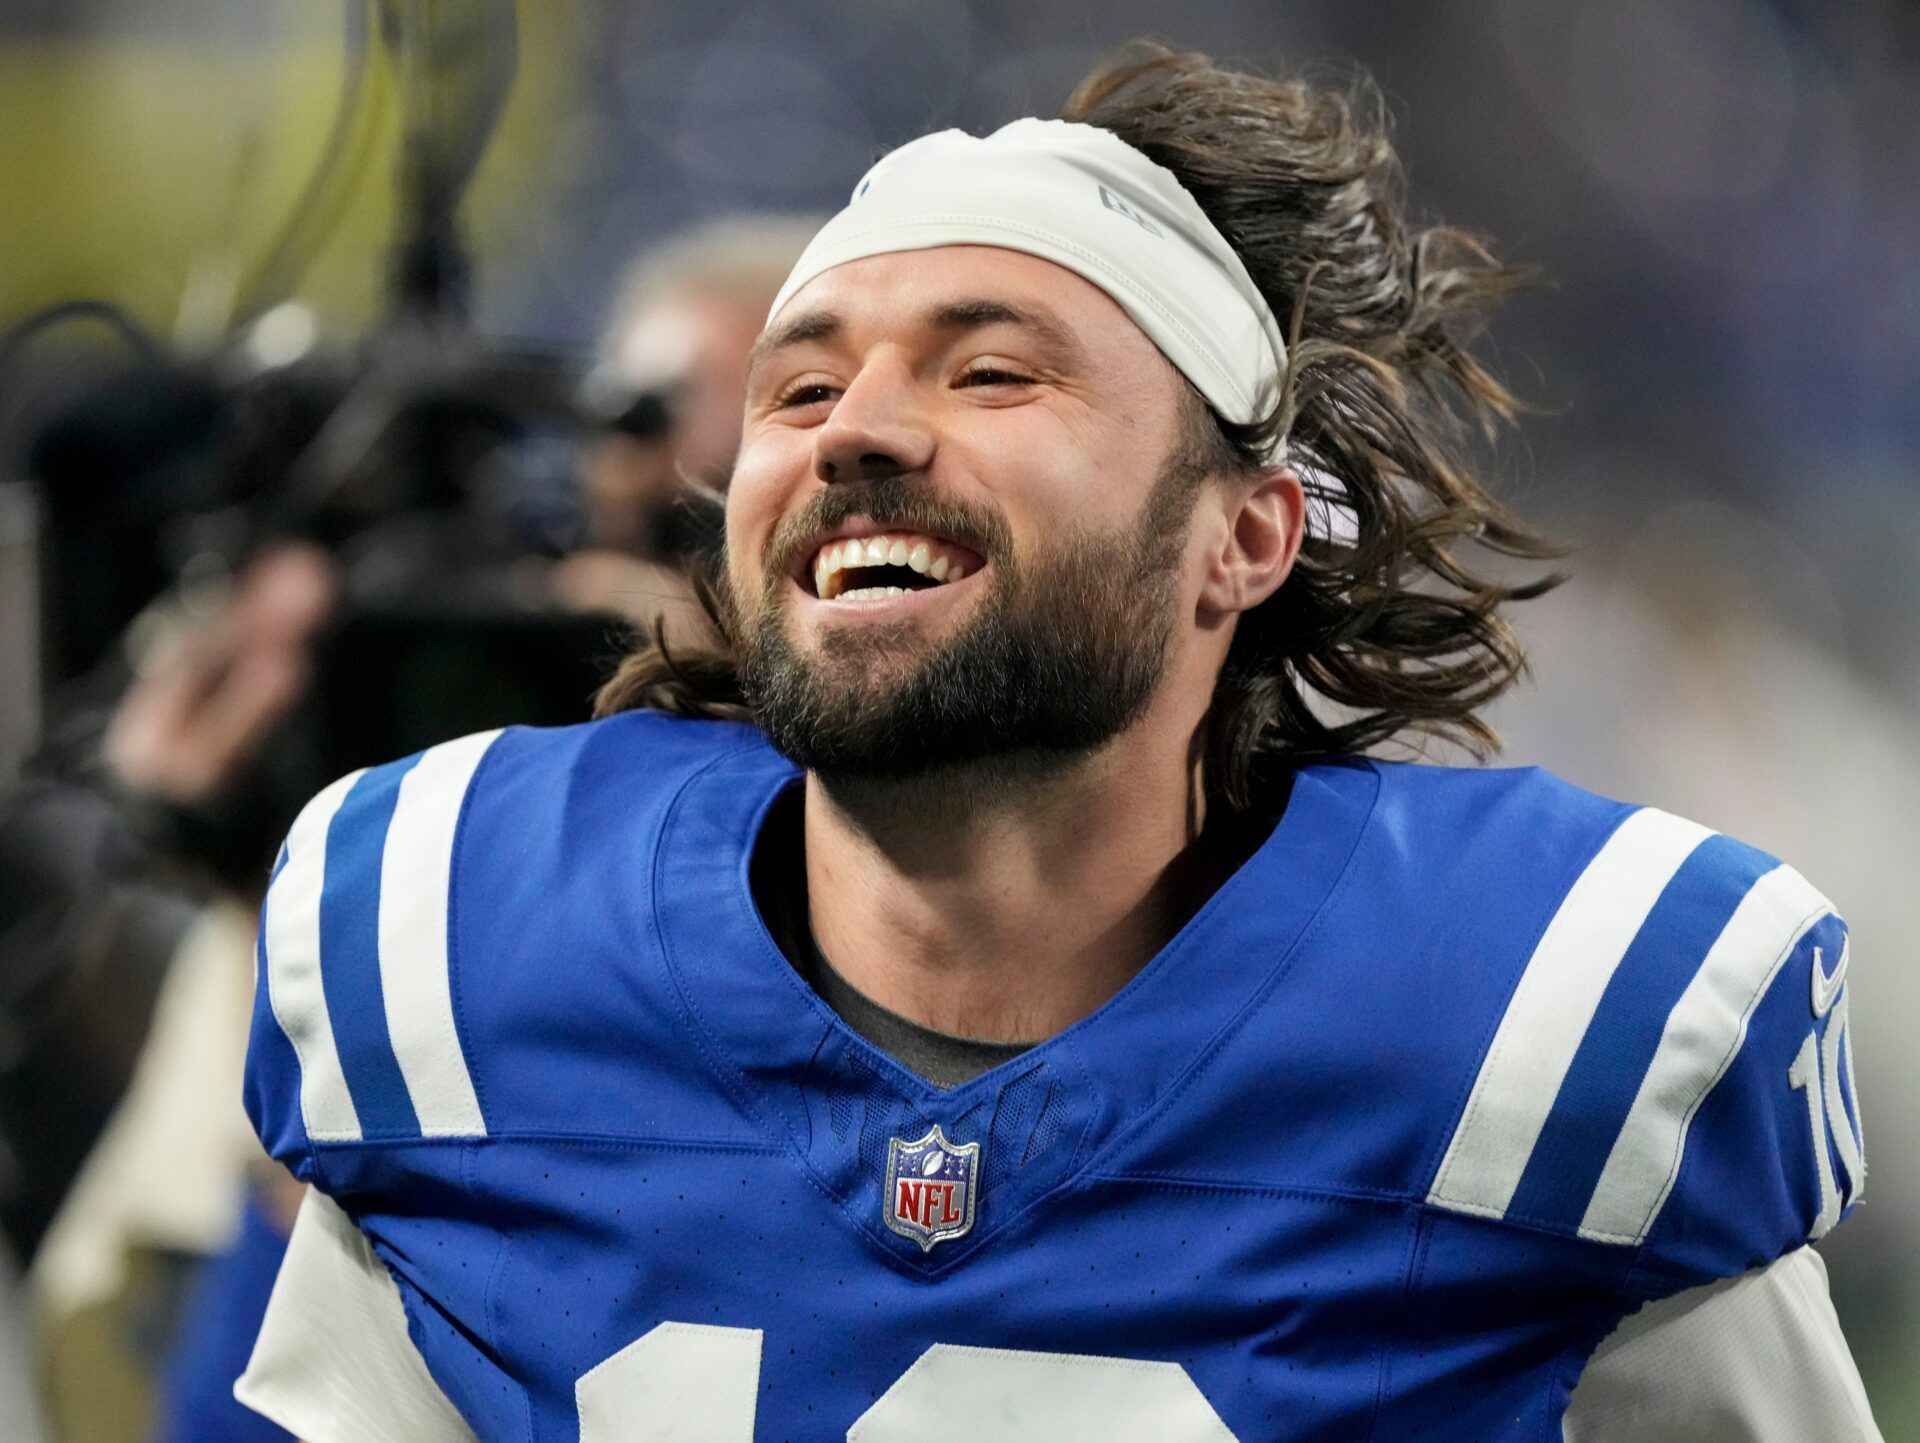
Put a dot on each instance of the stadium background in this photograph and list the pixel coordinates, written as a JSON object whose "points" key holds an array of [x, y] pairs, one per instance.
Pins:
{"points": [[1725, 360]]}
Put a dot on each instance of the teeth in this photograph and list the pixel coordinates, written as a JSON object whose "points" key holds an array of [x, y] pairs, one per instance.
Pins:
{"points": [[918, 553], [826, 571]]}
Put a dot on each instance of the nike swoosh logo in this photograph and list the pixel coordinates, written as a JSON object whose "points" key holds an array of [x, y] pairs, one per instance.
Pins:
{"points": [[1826, 986]]}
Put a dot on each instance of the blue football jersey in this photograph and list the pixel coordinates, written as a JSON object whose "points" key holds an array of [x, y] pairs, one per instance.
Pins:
{"points": [[1458, 1069]]}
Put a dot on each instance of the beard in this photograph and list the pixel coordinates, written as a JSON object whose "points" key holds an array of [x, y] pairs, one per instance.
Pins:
{"points": [[1063, 654]]}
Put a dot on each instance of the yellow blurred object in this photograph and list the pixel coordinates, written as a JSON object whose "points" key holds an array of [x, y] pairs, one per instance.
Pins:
{"points": [[97, 1375], [157, 173]]}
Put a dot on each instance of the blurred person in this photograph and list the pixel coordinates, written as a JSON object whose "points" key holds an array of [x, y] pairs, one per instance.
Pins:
{"points": [[989, 992], [209, 692], [175, 1177], [215, 682], [673, 364]]}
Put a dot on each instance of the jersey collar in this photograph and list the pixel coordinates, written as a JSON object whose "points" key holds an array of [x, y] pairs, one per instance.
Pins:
{"points": [[1043, 1118]]}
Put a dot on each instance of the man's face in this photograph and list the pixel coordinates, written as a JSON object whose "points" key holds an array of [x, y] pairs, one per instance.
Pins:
{"points": [[957, 526]]}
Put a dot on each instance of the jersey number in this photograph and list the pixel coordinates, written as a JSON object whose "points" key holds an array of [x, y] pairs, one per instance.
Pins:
{"points": [[696, 1383], [1832, 1109]]}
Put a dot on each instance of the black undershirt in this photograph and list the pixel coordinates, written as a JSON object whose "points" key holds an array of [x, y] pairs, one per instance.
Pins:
{"points": [[942, 1058], [779, 884]]}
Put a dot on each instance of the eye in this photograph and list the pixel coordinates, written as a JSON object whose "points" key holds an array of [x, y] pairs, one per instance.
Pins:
{"points": [[993, 376], [807, 393]]}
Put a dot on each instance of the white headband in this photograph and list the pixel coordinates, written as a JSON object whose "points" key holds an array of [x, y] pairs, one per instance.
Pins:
{"points": [[1084, 199]]}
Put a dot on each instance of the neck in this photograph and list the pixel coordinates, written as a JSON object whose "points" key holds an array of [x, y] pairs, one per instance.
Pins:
{"points": [[1007, 903]]}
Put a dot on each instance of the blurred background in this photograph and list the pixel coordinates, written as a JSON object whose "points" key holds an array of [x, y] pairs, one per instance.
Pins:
{"points": [[354, 359]]}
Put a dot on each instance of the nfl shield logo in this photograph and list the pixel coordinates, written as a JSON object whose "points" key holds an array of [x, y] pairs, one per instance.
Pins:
{"points": [[931, 1186]]}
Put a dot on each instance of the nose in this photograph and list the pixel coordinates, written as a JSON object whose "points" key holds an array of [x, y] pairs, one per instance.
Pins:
{"points": [[877, 428]]}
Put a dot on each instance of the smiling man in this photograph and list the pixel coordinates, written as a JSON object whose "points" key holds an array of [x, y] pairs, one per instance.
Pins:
{"points": [[987, 991]]}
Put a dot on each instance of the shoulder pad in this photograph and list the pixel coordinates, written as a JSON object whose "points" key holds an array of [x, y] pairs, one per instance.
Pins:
{"points": [[367, 1026], [1670, 1070], [354, 1034]]}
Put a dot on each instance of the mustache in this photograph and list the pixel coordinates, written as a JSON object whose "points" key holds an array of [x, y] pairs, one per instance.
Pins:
{"points": [[897, 503]]}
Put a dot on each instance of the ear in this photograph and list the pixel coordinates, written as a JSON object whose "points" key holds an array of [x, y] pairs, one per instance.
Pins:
{"points": [[1266, 516]]}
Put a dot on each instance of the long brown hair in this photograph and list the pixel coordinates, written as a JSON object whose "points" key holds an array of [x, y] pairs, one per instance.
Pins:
{"points": [[1381, 629]]}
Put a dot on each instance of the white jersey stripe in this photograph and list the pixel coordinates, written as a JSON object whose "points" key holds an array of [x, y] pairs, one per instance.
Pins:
{"points": [[1551, 1008], [294, 990], [1702, 1037], [416, 871]]}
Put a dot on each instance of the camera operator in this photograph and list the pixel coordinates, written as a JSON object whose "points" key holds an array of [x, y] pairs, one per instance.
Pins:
{"points": [[214, 678], [217, 682]]}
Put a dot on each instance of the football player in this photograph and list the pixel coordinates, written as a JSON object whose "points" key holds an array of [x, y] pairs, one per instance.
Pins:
{"points": [[989, 992]]}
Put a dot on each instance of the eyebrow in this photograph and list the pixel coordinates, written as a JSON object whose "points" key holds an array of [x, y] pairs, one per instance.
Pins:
{"points": [[813, 326], [971, 315], [955, 318]]}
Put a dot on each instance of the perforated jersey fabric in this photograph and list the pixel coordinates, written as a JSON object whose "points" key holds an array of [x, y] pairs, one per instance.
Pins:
{"points": [[1459, 1070], [1760, 1358]]}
